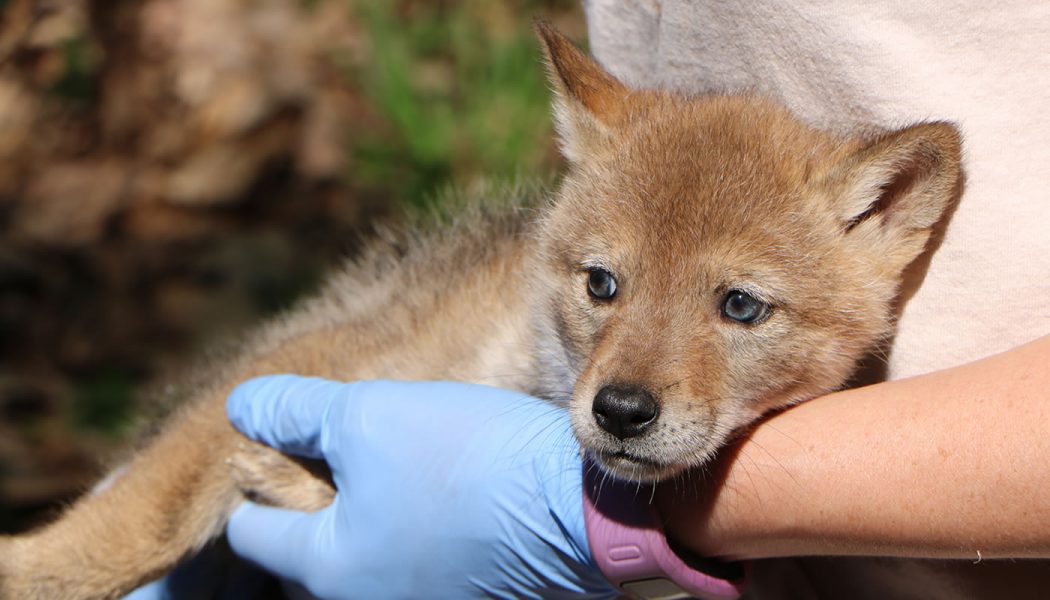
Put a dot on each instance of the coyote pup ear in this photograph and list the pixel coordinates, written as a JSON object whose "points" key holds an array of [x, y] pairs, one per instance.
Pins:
{"points": [[588, 102], [893, 191]]}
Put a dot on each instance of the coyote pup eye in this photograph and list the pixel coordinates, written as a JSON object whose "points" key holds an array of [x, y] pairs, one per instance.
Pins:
{"points": [[601, 284], [743, 307]]}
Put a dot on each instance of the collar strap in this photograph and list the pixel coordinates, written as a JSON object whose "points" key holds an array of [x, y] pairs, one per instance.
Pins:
{"points": [[629, 545]]}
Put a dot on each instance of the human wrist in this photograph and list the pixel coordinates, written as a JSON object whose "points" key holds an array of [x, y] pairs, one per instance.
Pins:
{"points": [[700, 518], [725, 512], [710, 528], [686, 518], [629, 545]]}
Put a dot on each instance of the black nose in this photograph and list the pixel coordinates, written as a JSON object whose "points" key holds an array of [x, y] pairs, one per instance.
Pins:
{"points": [[625, 411]]}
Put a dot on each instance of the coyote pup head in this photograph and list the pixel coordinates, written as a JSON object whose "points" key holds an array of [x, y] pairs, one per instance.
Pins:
{"points": [[711, 258]]}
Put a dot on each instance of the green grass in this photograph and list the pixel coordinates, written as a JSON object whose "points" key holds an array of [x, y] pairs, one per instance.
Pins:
{"points": [[104, 403], [457, 92]]}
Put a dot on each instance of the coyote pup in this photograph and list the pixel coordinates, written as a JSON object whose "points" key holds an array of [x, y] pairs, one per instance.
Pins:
{"points": [[706, 259]]}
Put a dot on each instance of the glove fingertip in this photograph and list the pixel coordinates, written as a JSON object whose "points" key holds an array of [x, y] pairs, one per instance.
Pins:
{"points": [[286, 412], [243, 402]]}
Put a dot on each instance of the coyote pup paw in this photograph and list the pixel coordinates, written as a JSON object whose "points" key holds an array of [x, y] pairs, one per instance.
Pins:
{"points": [[267, 476]]}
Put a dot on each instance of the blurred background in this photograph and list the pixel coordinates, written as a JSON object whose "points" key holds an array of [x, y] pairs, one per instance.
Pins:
{"points": [[173, 171]]}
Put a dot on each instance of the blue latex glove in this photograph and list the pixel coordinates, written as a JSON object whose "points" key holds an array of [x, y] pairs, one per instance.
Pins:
{"points": [[445, 490]]}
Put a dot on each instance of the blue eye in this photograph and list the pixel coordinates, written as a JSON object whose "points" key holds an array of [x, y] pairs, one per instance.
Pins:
{"points": [[601, 284], [743, 307]]}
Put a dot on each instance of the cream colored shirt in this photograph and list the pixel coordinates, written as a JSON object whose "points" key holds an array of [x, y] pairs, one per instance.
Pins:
{"points": [[853, 64]]}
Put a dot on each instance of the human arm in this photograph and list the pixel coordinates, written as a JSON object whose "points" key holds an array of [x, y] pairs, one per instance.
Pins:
{"points": [[949, 464]]}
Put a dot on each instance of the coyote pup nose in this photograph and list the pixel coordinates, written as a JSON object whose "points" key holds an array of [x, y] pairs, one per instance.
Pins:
{"points": [[624, 411]]}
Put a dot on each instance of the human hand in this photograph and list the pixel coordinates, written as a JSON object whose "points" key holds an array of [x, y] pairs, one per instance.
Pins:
{"points": [[445, 490]]}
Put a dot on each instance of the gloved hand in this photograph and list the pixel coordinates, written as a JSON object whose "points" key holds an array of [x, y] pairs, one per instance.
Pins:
{"points": [[445, 490]]}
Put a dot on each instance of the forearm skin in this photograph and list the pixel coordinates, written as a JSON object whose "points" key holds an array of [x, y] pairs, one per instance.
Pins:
{"points": [[951, 464]]}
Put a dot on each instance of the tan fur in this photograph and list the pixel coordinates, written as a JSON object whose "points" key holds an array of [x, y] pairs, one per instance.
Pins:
{"points": [[682, 198]]}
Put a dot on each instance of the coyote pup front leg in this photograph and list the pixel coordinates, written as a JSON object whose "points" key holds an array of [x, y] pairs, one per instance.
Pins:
{"points": [[267, 476]]}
